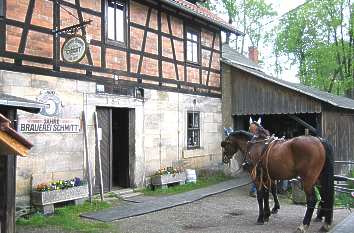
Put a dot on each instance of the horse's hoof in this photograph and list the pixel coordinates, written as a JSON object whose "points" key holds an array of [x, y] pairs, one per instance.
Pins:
{"points": [[317, 219], [259, 223], [325, 227], [302, 228], [266, 219], [274, 211]]}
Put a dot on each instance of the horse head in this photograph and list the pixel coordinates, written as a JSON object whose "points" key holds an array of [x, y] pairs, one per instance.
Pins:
{"points": [[234, 142], [257, 129]]}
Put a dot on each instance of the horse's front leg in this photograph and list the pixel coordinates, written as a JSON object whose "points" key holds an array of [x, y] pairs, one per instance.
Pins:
{"points": [[275, 197], [260, 197], [266, 204]]}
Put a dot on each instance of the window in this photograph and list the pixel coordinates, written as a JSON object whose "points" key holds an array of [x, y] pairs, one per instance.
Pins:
{"points": [[193, 130], [192, 45], [116, 26]]}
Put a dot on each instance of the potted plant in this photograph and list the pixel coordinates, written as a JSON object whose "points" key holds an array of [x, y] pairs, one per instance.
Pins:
{"points": [[46, 195], [169, 175]]}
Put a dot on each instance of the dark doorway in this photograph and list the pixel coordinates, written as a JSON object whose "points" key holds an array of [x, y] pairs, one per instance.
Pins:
{"points": [[120, 143], [281, 124], [117, 147]]}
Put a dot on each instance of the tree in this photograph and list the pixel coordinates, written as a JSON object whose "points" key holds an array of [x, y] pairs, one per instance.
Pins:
{"points": [[246, 15], [318, 36]]}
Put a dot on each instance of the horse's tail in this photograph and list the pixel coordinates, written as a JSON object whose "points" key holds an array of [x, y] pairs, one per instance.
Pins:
{"points": [[327, 183]]}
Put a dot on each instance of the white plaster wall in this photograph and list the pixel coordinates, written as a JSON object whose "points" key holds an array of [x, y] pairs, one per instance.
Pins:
{"points": [[165, 130], [160, 130]]}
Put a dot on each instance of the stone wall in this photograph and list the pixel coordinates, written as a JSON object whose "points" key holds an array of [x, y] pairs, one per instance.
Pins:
{"points": [[165, 122], [160, 130]]}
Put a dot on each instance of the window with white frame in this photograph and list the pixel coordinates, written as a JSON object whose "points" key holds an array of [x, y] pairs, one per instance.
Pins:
{"points": [[116, 17], [193, 130], [192, 45]]}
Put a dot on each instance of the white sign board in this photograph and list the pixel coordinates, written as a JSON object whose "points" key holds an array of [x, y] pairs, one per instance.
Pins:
{"points": [[74, 49], [49, 125]]}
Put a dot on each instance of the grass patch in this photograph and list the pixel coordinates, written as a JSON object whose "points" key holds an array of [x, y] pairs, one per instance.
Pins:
{"points": [[67, 219], [345, 199], [204, 179]]}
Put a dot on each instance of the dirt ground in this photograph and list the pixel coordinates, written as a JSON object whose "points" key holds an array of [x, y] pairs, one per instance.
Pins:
{"points": [[230, 212]]}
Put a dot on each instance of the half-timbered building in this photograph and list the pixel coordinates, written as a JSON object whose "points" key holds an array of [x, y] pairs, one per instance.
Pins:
{"points": [[150, 69]]}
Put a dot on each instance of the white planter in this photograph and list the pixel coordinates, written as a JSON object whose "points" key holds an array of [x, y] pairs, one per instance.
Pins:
{"points": [[46, 200], [164, 180]]}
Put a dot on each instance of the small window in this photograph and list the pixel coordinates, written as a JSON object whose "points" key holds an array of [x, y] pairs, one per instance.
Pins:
{"points": [[192, 45], [193, 130], [116, 21]]}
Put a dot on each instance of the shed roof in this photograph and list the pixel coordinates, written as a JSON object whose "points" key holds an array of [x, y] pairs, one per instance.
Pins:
{"points": [[202, 13], [233, 58], [20, 103], [10, 140]]}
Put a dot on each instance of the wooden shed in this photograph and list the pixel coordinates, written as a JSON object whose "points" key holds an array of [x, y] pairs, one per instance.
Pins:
{"points": [[11, 144], [286, 108]]}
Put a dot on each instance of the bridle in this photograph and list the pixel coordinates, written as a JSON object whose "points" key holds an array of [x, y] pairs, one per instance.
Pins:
{"points": [[226, 155]]}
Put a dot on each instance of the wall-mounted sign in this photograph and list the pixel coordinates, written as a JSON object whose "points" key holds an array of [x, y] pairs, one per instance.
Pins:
{"points": [[49, 125], [74, 49], [52, 102]]}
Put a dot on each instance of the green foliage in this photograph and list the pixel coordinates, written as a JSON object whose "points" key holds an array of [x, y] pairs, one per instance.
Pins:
{"points": [[345, 199], [202, 181], [318, 36], [68, 219]]}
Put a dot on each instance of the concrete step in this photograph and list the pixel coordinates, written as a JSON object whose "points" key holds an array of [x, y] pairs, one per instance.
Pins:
{"points": [[121, 192], [129, 195]]}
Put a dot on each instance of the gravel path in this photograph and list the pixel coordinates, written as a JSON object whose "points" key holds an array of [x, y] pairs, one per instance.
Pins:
{"points": [[232, 211], [229, 212]]}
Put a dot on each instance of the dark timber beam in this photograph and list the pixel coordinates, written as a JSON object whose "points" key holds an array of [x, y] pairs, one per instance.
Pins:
{"points": [[304, 123], [21, 48], [83, 29], [211, 59], [173, 46], [2, 26], [147, 23]]}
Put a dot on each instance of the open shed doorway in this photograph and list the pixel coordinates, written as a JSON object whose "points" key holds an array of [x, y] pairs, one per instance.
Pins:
{"points": [[282, 124], [117, 147]]}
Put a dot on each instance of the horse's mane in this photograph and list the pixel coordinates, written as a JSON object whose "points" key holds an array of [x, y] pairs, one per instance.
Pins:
{"points": [[247, 135]]}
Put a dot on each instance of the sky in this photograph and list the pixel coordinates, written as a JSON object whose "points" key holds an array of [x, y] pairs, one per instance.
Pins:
{"points": [[289, 73]]}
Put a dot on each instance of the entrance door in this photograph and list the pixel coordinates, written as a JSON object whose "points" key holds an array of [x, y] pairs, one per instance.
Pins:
{"points": [[117, 149], [104, 119]]}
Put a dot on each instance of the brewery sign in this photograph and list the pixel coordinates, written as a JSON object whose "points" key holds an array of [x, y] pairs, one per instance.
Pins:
{"points": [[49, 125], [74, 49]]}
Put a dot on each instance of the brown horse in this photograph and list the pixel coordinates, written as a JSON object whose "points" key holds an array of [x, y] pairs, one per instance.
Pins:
{"points": [[308, 157]]}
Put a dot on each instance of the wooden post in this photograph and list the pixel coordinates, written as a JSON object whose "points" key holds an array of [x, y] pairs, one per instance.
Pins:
{"points": [[307, 132], [98, 144], [88, 164]]}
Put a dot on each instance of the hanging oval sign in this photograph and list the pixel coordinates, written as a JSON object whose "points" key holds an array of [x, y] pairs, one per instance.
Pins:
{"points": [[74, 49]]}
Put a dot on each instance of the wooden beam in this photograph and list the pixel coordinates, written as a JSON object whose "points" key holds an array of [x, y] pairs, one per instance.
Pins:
{"points": [[83, 29], [303, 123], [2, 26], [22, 46], [173, 46], [211, 59], [144, 42], [9, 145]]}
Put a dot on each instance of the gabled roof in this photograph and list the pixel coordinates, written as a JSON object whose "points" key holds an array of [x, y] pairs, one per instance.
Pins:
{"points": [[233, 58], [201, 12], [20, 103]]}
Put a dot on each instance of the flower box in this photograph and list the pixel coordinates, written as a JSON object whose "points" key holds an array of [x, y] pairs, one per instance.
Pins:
{"points": [[46, 200], [165, 179]]}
